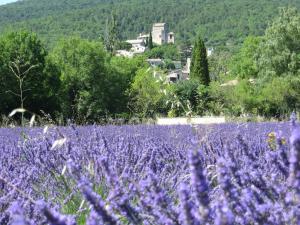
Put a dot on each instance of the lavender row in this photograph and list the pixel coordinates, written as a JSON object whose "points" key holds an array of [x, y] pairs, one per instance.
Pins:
{"points": [[218, 174]]}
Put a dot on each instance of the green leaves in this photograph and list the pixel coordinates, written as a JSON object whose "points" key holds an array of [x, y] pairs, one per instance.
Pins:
{"points": [[147, 93], [83, 76], [23, 72], [280, 49], [243, 63]]}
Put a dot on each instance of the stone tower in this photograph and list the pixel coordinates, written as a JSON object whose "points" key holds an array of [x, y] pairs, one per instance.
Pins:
{"points": [[161, 34]]}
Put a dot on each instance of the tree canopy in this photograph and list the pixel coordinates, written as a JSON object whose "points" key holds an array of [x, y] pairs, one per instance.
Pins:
{"points": [[28, 78]]}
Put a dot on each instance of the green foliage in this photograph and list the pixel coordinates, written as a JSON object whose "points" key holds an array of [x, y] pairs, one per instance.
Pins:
{"points": [[199, 63], [219, 63], [183, 98], [27, 76], [244, 63], [279, 53], [147, 94], [121, 72], [279, 96], [83, 76], [169, 64], [168, 51]]}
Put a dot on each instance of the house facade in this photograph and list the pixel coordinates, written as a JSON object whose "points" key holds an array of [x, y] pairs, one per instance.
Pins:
{"points": [[138, 46]]}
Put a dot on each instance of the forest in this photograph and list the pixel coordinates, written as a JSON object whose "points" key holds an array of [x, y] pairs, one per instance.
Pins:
{"points": [[220, 22]]}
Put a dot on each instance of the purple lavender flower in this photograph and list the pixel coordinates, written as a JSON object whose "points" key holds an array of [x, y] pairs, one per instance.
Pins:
{"points": [[98, 204], [17, 214], [294, 170], [200, 185], [54, 218], [186, 207]]}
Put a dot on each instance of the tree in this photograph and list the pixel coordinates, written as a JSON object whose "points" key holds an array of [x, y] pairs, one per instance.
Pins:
{"points": [[147, 94], [150, 42], [83, 77], [168, 51], [244, 63], [121, 72], [199, 64], [26, 78], [279, 53]]}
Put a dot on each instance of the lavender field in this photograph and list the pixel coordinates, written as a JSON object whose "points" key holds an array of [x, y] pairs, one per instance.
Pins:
{"points": [[214, 174]]}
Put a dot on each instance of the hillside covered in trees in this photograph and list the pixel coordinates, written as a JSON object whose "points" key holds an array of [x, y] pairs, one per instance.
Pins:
{"points": [[219, 21]]}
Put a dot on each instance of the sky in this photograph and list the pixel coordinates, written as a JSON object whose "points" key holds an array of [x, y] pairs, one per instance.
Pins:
{"points": [[2, 2]]}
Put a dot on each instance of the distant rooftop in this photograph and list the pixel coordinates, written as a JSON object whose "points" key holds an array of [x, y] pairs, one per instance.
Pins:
{"points": [[138, 41], [154, 60], [159, 24]]}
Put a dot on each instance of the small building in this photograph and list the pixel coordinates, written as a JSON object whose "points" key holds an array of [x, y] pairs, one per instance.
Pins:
{"points": [[124, 53], [174, 76], [138, 46], [155, 62], [171, 38], [186, 69], [144, 37]]}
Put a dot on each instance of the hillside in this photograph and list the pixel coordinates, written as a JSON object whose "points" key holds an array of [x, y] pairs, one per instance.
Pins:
{"points": [[220, 21]]}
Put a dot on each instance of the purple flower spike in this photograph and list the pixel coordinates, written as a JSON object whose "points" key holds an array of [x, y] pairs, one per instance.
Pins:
{"points": [[200, 185], [54, 218], [293, 119], [186, 215], [98, 204], [294, 175]]}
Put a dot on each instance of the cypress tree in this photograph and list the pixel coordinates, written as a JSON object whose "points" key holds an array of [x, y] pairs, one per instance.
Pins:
{"points": [[150, 43], [199, 64]]}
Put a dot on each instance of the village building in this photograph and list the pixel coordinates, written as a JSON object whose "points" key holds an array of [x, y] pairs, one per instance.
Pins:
{"points": [[138, 46], [174, 76], [144, 37], [124, 53], [186, 69], [155, 62], [161, 34]]}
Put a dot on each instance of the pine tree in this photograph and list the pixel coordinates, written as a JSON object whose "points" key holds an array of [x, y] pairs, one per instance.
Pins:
{"points": [[150, 42], [199, 64]]}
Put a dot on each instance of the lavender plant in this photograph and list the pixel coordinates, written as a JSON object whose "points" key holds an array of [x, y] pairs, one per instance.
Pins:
{"points": [[217, 174]]}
